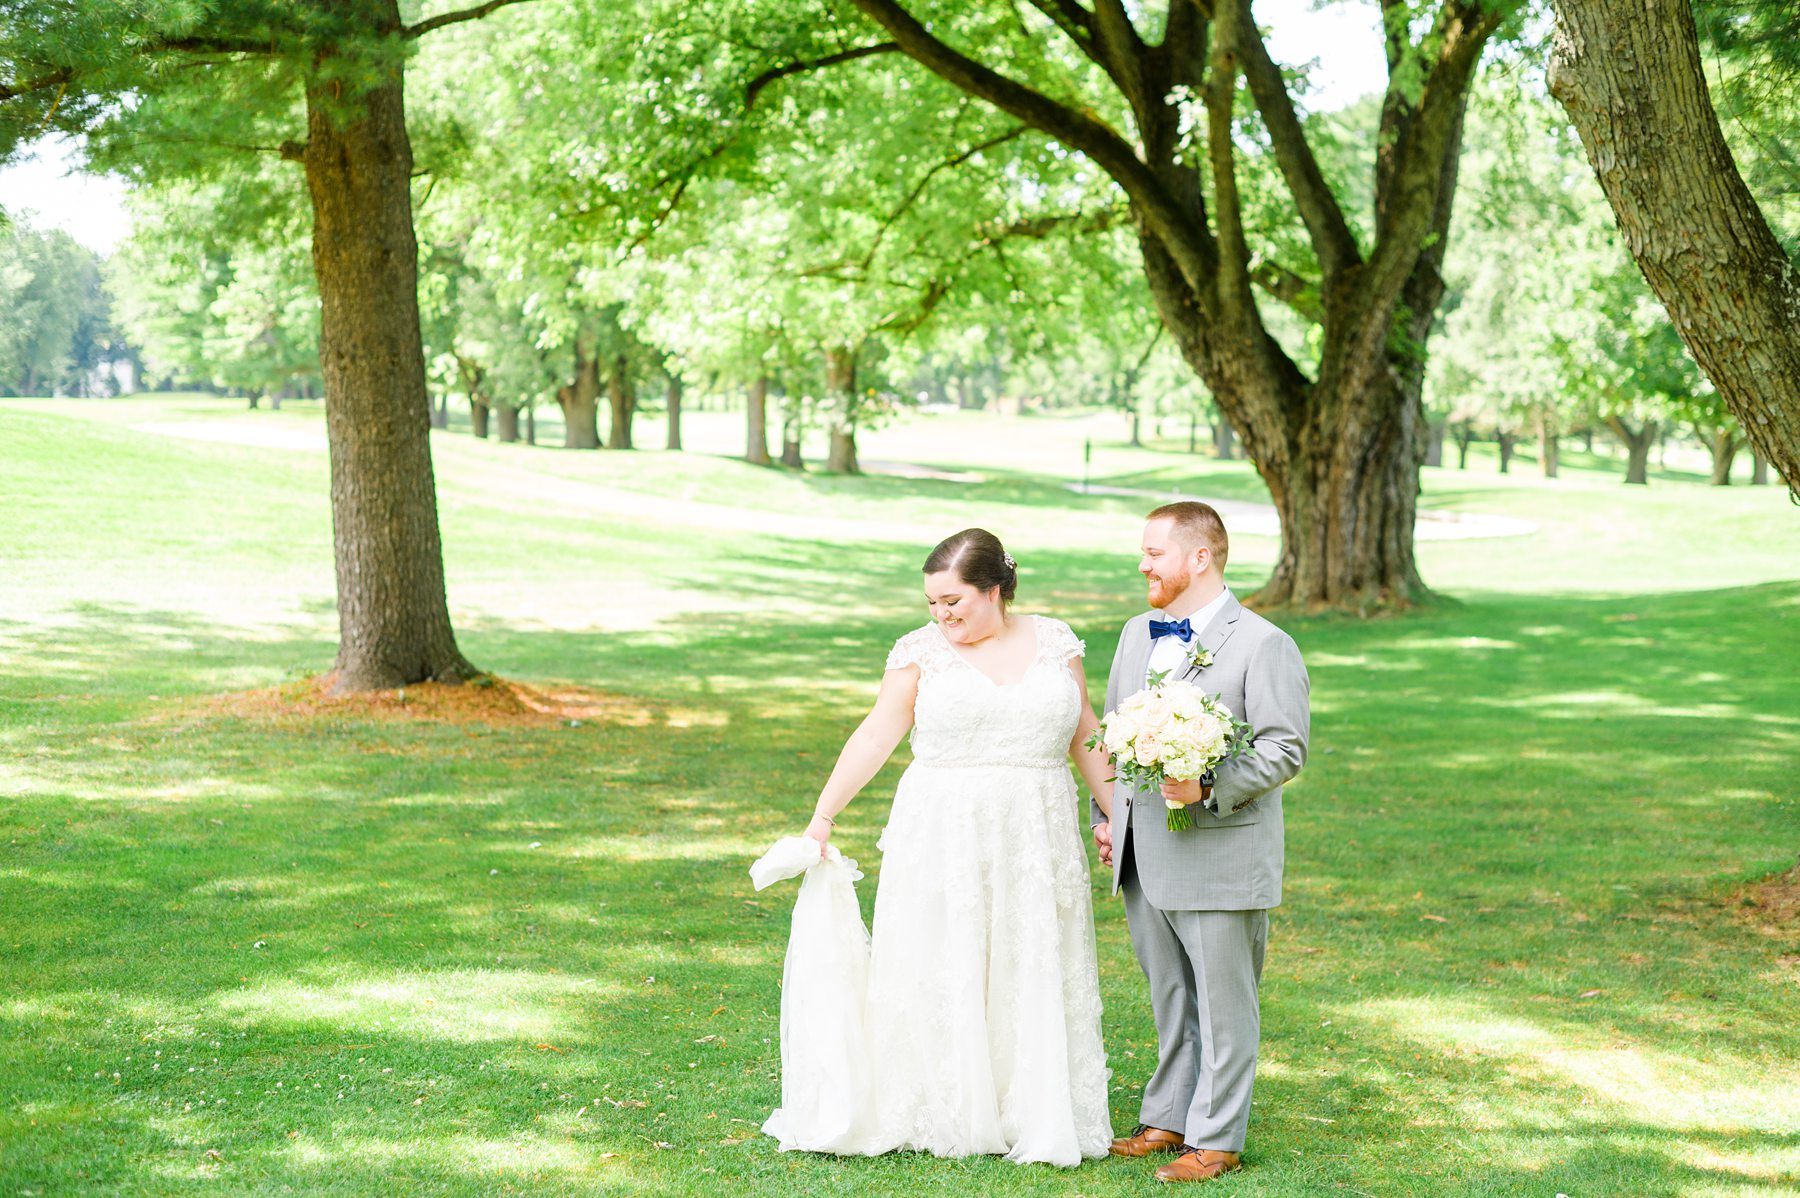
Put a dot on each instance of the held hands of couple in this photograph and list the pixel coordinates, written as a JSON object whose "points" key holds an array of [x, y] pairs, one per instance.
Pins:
{"points": [[1103, 842]]}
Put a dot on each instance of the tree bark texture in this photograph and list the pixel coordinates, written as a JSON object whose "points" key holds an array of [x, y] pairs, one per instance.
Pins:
{"points": [[756, 417], [508, 419], [1638, 443], [840, 401], [393, 617], [672, 399], [1629, 74], [1340, 452], [622, 398]]}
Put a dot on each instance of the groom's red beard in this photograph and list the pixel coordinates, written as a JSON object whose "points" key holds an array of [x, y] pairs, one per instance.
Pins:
{"points": [[1164, 591]]}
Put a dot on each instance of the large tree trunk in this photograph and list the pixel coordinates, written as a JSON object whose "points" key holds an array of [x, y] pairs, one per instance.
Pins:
{"points": [[672, 398], [1549, 450], [623, 400], [1630, 76], [580, 400], [393, 618], [756, 413], [1638, 442], [1724, 445], [478, 418], [508, 418], [840, 398]]}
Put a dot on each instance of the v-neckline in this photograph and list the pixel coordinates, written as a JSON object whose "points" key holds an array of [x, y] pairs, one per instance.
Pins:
{"points": [[1037, 647]]}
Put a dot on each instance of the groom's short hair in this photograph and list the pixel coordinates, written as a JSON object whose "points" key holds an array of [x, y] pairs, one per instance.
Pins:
{"points": [[1195, 524]]}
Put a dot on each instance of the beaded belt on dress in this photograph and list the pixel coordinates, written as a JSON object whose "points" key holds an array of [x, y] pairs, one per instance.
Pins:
{"points": [[1031, 763]]}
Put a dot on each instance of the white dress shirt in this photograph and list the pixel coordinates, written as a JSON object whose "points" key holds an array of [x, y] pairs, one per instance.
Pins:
{"points": [[1169, 653]]}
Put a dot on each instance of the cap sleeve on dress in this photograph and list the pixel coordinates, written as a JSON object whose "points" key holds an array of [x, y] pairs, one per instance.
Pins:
{"points": [[1058, 641], [909, 650]]}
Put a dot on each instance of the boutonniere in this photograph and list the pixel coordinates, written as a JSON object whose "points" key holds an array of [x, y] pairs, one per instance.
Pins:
{"points": [[1200, 658]]}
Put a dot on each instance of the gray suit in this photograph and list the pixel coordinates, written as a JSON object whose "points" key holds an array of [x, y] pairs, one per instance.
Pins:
{"points": [[1197, 901]]}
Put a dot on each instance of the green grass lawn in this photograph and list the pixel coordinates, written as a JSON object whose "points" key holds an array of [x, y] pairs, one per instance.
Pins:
{"points": [[250, 953]]}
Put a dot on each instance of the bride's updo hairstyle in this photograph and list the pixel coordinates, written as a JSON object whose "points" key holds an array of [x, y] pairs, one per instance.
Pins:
{"points": [[978, 559]]}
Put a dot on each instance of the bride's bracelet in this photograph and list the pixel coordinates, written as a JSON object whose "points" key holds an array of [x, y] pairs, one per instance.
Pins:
{"points": [[826, 818]]}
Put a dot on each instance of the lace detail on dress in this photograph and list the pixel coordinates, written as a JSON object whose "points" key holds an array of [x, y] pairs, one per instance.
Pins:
{"points": [[984, 997], [923, 647], [1057, 641]]}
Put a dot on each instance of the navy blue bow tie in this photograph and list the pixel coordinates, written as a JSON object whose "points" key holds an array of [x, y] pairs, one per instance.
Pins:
{"points": [[1176, 628]]}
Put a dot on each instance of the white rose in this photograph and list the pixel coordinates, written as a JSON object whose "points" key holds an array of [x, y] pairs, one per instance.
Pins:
{"points": [[1145, 750]]}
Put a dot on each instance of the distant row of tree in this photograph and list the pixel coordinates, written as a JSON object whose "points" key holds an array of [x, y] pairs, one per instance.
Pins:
{"points": [[57, 334], [541, 203]]}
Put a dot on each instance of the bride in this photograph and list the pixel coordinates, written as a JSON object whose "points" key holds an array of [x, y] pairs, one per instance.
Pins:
{"points": [[983, 1011]]}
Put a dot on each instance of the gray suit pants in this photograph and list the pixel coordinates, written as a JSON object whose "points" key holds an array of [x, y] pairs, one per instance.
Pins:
{"points": [[1203, 968]]}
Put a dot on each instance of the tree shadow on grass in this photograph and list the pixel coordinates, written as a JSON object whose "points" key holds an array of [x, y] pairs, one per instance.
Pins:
{"points": [[1502, 938]]}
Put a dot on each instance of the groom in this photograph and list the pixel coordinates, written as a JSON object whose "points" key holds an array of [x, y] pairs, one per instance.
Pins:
{"points": [[1197, 900]]}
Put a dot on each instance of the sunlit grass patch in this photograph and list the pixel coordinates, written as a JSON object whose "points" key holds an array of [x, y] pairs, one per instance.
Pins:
{"points": [[457, 955]]}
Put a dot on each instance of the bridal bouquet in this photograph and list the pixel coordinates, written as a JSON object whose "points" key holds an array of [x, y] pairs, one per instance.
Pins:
{"points": [[1170, 730]]}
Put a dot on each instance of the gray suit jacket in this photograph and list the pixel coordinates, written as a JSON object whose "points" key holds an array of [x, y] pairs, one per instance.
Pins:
{"points": [[1231, 859]]}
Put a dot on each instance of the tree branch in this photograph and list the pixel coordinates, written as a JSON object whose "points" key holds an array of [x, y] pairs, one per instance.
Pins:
{"points": [[1121, 53], [1295, 290], [210, 45], [919, 187], [1405, 211], [1330, 233], [1188, 245], [454, 18], [1075, 22], [1039, 227], [1182, 55], [59, 78], [795, 68], [1235, 302]]}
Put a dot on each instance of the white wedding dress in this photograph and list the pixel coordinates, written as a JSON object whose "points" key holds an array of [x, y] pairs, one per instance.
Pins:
{"points": [[983, 1008]]}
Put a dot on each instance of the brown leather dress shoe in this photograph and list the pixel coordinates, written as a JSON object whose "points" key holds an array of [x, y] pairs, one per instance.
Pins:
{"points": [[1145, 1140], [1199, 1164]]}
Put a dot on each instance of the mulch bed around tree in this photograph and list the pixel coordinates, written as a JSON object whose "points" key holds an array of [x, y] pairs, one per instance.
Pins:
{"points": [[497, 702], [1773, 905]]}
